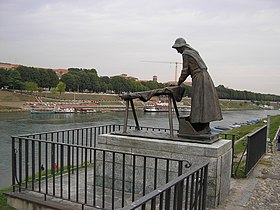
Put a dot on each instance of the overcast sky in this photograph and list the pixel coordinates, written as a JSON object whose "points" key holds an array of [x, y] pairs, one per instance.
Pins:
{"points": [[239, 40]]}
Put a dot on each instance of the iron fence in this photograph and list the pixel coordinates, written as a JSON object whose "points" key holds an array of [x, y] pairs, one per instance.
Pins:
{"points": [[67, 165], [256, 148], [187, 191]]}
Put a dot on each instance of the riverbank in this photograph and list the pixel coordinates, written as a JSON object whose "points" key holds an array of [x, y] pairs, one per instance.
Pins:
{"points": [[17, 102]]}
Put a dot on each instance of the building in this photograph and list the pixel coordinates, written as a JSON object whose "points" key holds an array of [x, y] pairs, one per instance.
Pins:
{"points": [[60, 72], [8, 65], [127, 77], [154, 78]]}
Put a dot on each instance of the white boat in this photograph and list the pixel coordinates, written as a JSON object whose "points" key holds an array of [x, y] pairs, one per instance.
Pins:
{"points": [[55, 110], [157, 107], [64, 110]]}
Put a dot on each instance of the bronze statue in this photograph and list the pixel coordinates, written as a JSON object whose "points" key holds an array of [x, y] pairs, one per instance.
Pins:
{"points": [[205, 105]]}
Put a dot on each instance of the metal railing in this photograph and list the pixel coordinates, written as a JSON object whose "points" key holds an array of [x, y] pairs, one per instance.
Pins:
{"points": [[86, 136], [67, 165], [187, 191], [256, 148]]}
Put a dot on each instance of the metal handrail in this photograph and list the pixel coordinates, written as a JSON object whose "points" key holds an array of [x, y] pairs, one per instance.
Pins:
{"points": [[159, 191], [75, 159]]}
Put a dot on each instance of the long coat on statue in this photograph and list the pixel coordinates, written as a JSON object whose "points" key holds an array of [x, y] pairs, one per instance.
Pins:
{"points": [[205, 105]]}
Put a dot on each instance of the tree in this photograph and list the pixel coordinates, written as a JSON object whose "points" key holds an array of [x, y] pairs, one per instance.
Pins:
{"points": [[61, 88], [14, 79], [30, 86], [54, 90], [3, 77], [71, 81]]}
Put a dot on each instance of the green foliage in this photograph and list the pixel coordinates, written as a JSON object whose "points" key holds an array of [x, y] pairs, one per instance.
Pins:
{"points": [[3, 200], [239, 132], [31, 86], [14, 80], [87, 80], [240, 146], [4, 75], [227, 93], [54, 90], [274, 125], [45, 78], [61, 87]]}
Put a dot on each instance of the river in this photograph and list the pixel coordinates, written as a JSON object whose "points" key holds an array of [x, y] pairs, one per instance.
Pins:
{"points": [[23, 123]]}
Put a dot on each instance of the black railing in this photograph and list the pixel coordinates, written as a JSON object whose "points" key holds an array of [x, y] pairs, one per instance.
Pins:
{"points": [[67, 165], [86, 136], [187, 191], [256, 148]]}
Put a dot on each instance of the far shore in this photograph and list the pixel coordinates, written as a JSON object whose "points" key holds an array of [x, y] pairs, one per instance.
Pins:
{"points": [[18, 102], [6, 107]]}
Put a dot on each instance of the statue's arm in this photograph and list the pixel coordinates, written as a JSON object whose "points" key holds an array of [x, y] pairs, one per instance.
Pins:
{"points": [[185, 71]]}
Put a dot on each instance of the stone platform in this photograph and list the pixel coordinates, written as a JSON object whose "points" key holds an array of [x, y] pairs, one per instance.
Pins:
{"points": [[218, 154]]}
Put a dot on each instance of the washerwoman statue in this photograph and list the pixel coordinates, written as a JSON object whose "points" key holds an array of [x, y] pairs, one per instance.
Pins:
{"points": [[205, 106]]}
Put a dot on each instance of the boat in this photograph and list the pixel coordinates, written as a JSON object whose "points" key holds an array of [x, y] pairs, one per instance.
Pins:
{"points": [[52, 110], [249, 122], [157, 107], [64, 110], [43, 111], [86, 110], [222, 128], [163, 107]]}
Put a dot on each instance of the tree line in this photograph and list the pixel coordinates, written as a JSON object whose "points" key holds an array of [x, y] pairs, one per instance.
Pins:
{"points": [[87, 80]]}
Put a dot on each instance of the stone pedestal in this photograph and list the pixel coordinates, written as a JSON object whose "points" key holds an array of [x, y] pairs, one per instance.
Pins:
{"points": [[217, 154]]}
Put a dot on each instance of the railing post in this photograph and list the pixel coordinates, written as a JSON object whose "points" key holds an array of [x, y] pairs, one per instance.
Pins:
{"points": [[179, 188], [170, 116], [232, 155], [13, 164], [26, 162], [267, 134], [204, 187], [126, 116]]}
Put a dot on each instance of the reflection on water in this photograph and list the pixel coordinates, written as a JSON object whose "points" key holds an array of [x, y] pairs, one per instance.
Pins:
{"points": [[22, 123]]}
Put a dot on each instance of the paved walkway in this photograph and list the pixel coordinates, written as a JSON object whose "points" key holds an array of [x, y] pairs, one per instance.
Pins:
{"points": [[261, 190]]}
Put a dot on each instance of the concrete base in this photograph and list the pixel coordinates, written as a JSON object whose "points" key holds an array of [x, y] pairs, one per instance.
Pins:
{"points": [[217, 154], [27, 200]]}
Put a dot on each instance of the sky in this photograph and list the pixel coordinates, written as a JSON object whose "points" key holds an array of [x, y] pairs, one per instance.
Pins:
{"points": [[239, 40]]}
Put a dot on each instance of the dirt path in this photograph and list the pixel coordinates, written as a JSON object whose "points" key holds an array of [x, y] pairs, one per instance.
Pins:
{"points": [[261, 190]]}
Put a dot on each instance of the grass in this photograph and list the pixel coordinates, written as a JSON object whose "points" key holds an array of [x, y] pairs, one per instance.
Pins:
{"points": [[274, 125], [7, 108], [82, 96], [240, 171], [240, 132], [240, 146], [7, 96], [237, 105], [3, 200]]}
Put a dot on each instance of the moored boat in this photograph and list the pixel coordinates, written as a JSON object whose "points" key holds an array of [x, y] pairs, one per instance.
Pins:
{"points": [[157, 107], [42, 111]]}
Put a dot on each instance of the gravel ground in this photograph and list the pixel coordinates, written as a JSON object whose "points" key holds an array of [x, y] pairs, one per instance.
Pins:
{"points": [[261, 190]]}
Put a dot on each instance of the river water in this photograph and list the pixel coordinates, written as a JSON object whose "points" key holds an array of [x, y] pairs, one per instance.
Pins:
{"points": [[24, 123]]}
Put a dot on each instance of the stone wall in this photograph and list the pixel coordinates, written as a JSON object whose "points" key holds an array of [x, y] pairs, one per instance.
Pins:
{"points": [[217, 154]]}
